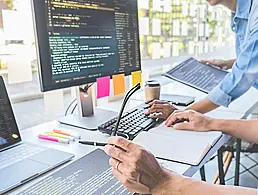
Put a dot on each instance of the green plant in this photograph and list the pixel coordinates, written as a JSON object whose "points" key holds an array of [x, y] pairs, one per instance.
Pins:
{"points": [[9, 3]]}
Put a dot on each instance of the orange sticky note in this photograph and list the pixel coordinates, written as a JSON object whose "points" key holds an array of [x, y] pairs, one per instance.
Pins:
{"points": [[119, 84], [137, 78]]}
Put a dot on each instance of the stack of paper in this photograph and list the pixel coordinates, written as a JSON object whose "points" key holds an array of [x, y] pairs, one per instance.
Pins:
{"points": [[181, 146]]}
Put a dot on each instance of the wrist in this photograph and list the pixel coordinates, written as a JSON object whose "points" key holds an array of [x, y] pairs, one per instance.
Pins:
{"points": [[164, 178], [216, 124], [169, 183]]}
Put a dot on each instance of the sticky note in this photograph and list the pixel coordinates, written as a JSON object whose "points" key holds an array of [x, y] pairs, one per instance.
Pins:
{"points": [[185, 8], [156, 27], [176, 28], [207, 30], [156, 50], [54, 101], [206, 47], [144, 26], [103, 87], [175, 49], [184, 27], [137, 78], [156, 5], [19, 68], [119, 84], [191, 48], [144, 4], [167, 49], [167, 6]]}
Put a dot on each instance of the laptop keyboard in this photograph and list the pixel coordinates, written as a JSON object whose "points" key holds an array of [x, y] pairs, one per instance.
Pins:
{"points": [[18, 153]]}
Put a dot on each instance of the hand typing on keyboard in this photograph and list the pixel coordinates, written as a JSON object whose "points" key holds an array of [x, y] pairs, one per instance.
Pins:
{"points": [[132, 123], [159, 109]]}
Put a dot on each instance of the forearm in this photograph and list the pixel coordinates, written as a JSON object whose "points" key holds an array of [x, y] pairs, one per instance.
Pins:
{"points": [[203, 106], [243, 129], [178, 185]]}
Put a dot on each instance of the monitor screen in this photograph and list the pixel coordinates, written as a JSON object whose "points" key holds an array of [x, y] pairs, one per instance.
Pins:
{"points": [[81, 40], [9, 133]]}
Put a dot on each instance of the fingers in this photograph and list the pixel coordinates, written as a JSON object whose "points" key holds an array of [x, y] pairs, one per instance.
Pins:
{"points": [[158, 115], [113, 163], [207, 61], [122, 143], [116, 153], [183, 126], [157, 102], [172, 115], [178, 117], [156, 108]]}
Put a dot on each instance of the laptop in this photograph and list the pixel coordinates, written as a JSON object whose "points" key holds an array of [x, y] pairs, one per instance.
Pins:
{"points": [[21, 162]]}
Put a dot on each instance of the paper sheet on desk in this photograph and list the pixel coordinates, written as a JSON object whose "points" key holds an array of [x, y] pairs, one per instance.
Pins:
{"points": [[180, 146]]}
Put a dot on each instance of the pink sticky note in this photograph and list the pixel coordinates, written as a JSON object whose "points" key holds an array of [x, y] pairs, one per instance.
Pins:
{"points": [[103, 87]]}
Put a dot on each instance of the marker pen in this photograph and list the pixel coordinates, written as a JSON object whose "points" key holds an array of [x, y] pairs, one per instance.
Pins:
{"points": [[67, 134], [53, 139], [52, 134]]}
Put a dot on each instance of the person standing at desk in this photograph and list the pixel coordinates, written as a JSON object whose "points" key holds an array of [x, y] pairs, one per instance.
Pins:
{"points": [[244, 73]]}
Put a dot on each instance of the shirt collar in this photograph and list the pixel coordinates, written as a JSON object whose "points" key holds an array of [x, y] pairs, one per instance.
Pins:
{"points": [[243, 9]]}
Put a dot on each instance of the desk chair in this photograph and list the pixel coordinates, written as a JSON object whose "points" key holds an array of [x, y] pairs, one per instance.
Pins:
{"points": [[234, 146]]}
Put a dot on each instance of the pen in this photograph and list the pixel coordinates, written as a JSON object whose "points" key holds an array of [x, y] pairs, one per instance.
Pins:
{"points": [[53, 139], [60, 136], [66, 134], [92, 143]]}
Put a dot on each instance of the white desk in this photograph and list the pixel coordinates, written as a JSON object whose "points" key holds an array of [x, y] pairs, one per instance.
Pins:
{"points": [[245, 104], [30, 135]]}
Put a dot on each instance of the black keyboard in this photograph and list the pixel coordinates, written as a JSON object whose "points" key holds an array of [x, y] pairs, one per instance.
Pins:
{"points": [[132, 123]]}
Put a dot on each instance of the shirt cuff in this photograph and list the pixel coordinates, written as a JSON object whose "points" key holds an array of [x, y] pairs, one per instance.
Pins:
{"points": [[219, 97]]}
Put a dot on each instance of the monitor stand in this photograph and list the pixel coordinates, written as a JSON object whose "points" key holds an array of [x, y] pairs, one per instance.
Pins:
{"points": [[88, 117]]}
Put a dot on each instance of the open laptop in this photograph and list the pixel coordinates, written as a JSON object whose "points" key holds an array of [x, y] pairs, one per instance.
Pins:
{"points": [[21, 162]]}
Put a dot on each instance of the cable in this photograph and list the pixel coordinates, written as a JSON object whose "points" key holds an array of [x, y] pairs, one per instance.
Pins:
{"points": [[128, 95], [66, 112], [74, 108]]}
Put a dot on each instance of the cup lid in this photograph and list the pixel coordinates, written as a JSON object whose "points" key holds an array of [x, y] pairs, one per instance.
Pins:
{"points": [[153, 83]]}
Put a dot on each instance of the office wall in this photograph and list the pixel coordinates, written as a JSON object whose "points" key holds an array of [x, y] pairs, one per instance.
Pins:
{"points": [[181, 27]]}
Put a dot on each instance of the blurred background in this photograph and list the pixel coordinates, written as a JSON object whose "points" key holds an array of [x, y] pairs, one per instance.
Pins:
{"points": [[169, 32]]}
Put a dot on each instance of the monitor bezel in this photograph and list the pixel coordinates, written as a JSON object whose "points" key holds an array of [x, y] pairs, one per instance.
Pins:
{"points": [[18, 140], [44, 54]]}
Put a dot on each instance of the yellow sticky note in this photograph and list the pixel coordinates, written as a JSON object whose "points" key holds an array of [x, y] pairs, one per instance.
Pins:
{"points": [[137, 78], [119, 84]]}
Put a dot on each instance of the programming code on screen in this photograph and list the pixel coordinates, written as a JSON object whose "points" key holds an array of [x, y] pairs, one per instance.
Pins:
{"points": [[8, 129], [90, 175], [90, 39]]}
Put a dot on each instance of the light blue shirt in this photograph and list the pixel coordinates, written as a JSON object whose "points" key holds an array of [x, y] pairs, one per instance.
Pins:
{"points": [[244, 73]]}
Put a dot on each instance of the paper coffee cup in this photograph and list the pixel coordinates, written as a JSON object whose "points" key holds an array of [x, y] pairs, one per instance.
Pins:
{"points": [[152, 90]]}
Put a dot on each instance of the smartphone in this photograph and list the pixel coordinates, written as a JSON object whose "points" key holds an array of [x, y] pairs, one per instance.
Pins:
{"points": [[178, 100]]}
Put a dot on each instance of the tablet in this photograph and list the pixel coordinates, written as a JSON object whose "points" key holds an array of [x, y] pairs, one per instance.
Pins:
{"points": [[197, 75]]}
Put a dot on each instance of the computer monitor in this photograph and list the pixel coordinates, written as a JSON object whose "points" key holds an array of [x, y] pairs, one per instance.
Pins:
{"points": [[81, 40]]}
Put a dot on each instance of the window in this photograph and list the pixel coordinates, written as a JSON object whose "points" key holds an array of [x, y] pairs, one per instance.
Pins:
{"points": [[169, 29]]}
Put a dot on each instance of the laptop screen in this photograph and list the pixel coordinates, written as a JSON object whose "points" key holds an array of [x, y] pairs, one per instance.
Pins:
{"points": [[9, 133]]}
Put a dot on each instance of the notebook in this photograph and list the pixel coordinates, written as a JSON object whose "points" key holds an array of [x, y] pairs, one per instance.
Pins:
{"points": [[180, 146]]}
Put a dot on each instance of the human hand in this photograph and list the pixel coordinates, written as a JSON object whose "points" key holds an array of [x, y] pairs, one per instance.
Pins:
{"points": [[136, 168], [195, 121], [160, 109], [222, 64]]}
